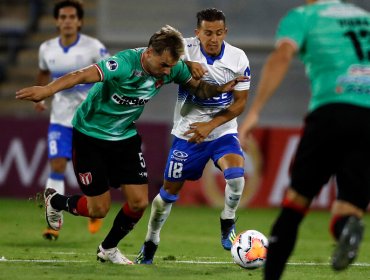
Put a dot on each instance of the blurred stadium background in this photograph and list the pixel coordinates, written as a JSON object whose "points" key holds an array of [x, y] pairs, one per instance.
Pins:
{"points": [[25, 24]]}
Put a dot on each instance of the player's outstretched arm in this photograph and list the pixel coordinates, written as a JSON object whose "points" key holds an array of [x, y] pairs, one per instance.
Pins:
{"points": [[204, 90], [273, 73], [86, 75]]}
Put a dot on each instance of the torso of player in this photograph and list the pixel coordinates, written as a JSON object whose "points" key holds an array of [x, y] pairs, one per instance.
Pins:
{"points": [[333, 40], [230, 63], [61, 60], [113, 105]]}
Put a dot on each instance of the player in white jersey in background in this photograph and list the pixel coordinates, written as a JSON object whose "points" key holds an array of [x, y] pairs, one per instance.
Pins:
{"points": [[70, 51], [204, 129]]}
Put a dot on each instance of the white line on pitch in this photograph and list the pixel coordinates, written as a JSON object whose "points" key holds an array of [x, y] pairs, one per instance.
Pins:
{"points": [[185, 262]]}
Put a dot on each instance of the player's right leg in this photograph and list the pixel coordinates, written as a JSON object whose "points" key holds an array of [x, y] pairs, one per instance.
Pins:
{"points": [[229, 157], [185, 161], [55, 182], [59, 151]]}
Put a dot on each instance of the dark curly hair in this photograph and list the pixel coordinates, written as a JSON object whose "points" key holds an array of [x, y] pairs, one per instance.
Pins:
{"points": [[69, 3], [210, 14]]}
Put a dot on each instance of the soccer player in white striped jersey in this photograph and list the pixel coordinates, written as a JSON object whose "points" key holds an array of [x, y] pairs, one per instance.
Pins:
{"points": [[69, 51], [205, 129]]}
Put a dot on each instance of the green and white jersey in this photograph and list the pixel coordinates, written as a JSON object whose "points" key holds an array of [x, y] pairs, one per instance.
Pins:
{"points": [[333, 39], [113, 105]]}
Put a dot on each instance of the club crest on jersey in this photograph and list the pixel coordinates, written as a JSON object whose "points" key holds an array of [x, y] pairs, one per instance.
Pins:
{"points": [[111, 65], [85, 178]]}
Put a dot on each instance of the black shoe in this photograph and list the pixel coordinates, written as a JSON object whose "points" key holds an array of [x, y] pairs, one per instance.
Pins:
{"points": [[348, 244], [227, 233], [146, 254]]}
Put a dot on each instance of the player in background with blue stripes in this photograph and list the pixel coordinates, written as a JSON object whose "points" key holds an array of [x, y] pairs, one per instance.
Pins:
{"points": [[69, 51]]}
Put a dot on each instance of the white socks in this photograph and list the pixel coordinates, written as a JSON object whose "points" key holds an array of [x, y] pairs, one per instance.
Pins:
{"points": [[233, 191], [158, 216], [57, 185]]}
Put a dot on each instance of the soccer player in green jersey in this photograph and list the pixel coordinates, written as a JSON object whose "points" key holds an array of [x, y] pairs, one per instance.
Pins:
{"points": [[106, 145], [332, 39]]}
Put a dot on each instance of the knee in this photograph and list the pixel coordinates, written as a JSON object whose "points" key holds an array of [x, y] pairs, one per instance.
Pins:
{"points": [[234, 177], [236, 185], [344, 208], [58, 165], [138, 205], [99, 211]]}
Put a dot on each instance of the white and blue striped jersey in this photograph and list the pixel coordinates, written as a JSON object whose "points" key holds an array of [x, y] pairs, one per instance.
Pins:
{"points": [[229, 64], [60, 60]]}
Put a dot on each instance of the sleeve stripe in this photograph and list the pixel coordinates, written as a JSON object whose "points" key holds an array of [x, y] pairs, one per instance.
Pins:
{"points": [[100, 72]]}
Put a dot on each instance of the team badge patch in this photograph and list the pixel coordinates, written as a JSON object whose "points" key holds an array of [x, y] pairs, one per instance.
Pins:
{"points": [[111, 65], [85, 178]]}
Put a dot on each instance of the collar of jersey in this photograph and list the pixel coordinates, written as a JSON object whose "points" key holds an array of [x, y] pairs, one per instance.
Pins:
{"points": [[142, 64], [66, 48], [212, 59]]}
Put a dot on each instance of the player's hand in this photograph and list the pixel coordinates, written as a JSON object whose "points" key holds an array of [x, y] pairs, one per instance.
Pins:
{"points": [[197, 70], [230, 85], [40, 106], [200, 131], [249, 123], [35, 93]]}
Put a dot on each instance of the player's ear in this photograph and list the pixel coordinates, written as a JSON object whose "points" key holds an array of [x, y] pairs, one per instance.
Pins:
{"points": [[196, 32]]}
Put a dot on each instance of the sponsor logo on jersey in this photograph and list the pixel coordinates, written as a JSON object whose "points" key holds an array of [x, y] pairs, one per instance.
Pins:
{"points": [[179, 155], [85, 178], [111, 65], [129, 101]]}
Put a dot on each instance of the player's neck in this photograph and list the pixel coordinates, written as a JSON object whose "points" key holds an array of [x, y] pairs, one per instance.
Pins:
{"points": [[67, 40]]}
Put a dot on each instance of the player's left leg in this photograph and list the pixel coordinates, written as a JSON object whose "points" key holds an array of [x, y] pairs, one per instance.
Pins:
{"points": [[347, 228], [353, 181], [228, 156], [126, 219], [234, 177], [346, 225]]}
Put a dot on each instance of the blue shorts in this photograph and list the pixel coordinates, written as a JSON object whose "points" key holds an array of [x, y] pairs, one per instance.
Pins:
{"points": [[59, 141], [186, 160]]}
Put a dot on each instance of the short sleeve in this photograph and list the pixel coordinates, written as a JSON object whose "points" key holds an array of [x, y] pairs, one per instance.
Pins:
{"points": [[180, 73], [42, 63], [243, 70], [101, 51], [114, 68], [291, 27]]}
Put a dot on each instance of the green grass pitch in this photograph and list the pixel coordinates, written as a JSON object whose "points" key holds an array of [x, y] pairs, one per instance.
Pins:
{"points": [[190, 247]]}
